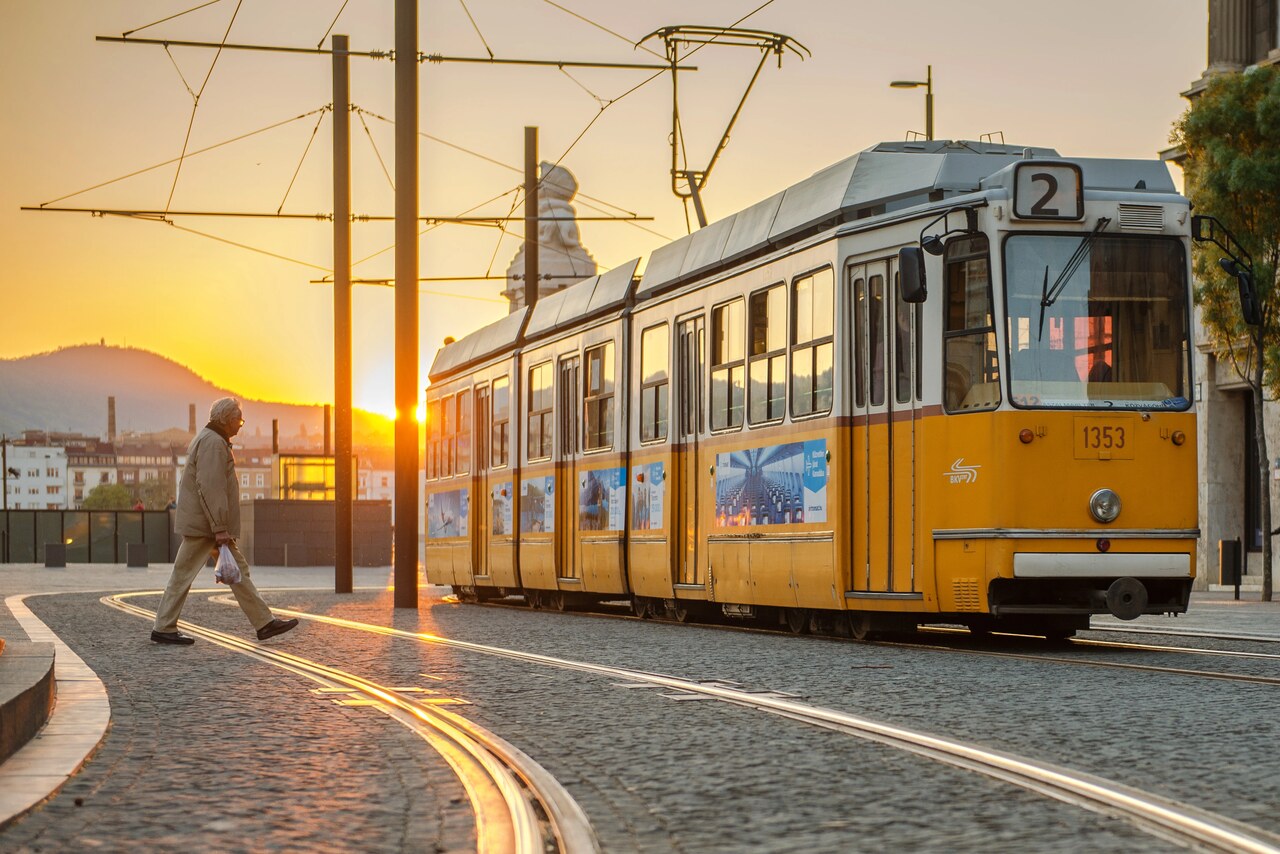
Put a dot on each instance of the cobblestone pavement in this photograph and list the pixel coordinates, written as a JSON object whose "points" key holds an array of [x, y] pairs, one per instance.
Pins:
{"points": [[652, 773]]}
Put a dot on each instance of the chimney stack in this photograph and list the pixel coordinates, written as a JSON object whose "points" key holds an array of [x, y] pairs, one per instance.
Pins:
{"points": [[327, 409], [111, 419], [275, 435], [191, 418]]}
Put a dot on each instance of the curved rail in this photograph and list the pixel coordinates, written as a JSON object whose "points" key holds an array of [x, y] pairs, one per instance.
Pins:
{"points": [[1163, 817], [518, 805]]}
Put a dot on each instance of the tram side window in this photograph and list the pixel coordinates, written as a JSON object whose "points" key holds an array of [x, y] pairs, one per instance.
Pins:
{"points": [[875, 287], [969, 339], [501, 422], [464, 433], [433, 440], [599, 397], [728, 367], [448, 420], [903, 350], [767, 365], [812, 328], [540, 399], [860, 341], [655, 356]]}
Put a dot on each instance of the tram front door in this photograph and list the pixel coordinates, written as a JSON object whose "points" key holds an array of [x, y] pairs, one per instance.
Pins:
{"points": [[885, 392], [481, 494], [690, 360]]}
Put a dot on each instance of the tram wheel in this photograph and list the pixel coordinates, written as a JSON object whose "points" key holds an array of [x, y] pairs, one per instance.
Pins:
{"points": [[641, 608], [797, 620], [678, 611], [555, 601], [533, 599], [860, 626]]}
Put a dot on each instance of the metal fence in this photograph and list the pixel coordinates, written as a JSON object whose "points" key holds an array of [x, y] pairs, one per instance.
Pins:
{"points": [[91, 536]]}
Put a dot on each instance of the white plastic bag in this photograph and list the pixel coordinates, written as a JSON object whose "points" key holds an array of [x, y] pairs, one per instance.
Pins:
{"points": [[227, 570]]}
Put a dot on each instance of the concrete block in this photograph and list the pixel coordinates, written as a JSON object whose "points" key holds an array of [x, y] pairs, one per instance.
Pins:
{"points": [[55, 555], [137, 555]]}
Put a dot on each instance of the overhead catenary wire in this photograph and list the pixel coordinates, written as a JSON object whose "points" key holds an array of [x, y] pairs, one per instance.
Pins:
{"points": [[374, 145], [333, 23], [196, 104], [190, 154], [476, 27], [170, 18], [303, 160], [602, 27]]}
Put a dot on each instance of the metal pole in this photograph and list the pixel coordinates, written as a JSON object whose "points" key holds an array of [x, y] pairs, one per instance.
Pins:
{"points": [[406, 322], [531, 281], [928, 105], [342, 509]]}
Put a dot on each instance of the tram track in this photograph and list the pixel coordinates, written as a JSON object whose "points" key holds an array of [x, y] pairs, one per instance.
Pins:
{"points": [[518, 805], [1165, 818]]}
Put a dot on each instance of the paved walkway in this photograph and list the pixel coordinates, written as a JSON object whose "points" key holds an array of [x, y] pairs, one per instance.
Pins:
{"points": [[211, 750]]}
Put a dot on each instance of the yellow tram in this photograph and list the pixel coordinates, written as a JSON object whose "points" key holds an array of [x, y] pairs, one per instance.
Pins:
{"points": [[935, 382]]}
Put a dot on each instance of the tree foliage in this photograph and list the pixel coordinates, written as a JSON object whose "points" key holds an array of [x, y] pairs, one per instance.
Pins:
{"points": [[109, 496], [1231, 136]]}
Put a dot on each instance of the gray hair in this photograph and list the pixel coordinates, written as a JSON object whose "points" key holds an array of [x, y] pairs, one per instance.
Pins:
{"points": [[222, 409]]}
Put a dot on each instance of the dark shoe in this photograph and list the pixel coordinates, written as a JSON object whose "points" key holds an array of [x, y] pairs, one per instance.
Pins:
{"points": [[276, 627], [172, 637]]}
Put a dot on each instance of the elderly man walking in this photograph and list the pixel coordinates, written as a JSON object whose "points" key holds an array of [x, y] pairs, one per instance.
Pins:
{"points": [[209, 517]]}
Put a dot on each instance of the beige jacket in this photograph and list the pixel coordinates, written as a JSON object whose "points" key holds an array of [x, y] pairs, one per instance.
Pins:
{"points": [[209, 495]]}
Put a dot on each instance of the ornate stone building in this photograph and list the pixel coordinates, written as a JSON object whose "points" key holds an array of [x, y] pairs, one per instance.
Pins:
{"points": [[1242, 33]]}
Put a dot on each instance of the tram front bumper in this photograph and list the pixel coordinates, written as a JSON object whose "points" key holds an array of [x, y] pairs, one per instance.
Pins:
{"points": [[1124, 585]]}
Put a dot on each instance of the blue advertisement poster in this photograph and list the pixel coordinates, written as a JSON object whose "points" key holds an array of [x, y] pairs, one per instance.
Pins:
{"points": [[648, 487], [538, 504], [447, 514], [772, 485], [501, 523], [602, 499]]}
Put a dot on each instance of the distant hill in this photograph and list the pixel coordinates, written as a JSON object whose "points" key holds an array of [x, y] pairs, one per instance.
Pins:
{"points": [[67, 390]]}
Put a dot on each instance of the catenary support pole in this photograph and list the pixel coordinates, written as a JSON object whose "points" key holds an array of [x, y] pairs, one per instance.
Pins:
{"points": [[342, 493], [531, 280], [406, 313]]}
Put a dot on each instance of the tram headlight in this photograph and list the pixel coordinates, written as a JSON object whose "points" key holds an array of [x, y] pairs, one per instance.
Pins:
{"points": [[1104, 505]]}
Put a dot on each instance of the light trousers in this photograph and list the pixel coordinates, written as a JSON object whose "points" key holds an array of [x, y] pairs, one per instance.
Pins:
{"points": [[192, 556]]}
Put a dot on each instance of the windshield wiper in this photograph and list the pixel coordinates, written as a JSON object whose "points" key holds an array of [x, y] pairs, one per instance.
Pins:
{"points": [[1049, 295]]}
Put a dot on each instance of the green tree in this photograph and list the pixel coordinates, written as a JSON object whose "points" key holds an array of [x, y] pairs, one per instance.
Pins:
{"points": [[109, 496], [155, 494], [1231, 135]]}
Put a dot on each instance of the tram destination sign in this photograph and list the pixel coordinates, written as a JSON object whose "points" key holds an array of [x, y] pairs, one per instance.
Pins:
{"points": [[1048, 190]]}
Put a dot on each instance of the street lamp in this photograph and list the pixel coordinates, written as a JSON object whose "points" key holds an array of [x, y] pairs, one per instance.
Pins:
{"points": [[927, 83]]}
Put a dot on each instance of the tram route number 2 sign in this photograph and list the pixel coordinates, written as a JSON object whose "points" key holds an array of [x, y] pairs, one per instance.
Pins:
{"points": [[1047, 190]]}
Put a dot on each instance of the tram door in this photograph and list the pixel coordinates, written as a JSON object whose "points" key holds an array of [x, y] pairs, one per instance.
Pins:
{"points": [[884, 424], [568, 449], [691, 348], [481, 489]]}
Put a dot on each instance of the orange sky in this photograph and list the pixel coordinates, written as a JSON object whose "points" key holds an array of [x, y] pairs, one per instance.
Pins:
{"points": [[1089, 78]]}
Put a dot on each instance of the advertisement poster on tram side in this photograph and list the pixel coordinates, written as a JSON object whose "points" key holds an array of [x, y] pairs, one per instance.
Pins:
{"points": [[538, 504], [772, 485], [648, 484], [501, 524], [602, 499], [447, 514]]}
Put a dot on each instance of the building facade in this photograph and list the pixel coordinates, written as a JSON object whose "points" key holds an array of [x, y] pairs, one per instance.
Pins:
{"points": [[1242, 33], [89, 464], [41, 479]]}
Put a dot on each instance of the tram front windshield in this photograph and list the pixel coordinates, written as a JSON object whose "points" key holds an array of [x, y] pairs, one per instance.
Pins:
{"points": [[1112, 333]]}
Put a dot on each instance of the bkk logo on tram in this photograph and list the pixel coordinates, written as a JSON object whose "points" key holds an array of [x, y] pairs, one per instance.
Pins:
{"points": [[602, 499], [447, 514], [772, 485]]}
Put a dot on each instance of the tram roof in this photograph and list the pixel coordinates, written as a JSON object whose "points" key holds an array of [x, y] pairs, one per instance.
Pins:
{"points": [[888, 176], [484, 342], [599, 294]]}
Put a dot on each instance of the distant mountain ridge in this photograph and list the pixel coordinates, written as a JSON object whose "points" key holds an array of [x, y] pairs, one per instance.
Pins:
{"points": [[67, 390]]}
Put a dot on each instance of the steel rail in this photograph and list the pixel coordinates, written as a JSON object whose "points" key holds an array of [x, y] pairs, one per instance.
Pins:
{"points": [[1163, 817], [509, 792], [1186, 633]]}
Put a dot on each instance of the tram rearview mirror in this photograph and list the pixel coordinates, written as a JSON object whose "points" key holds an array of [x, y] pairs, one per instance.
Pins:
{"points": [[911, 274]]}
